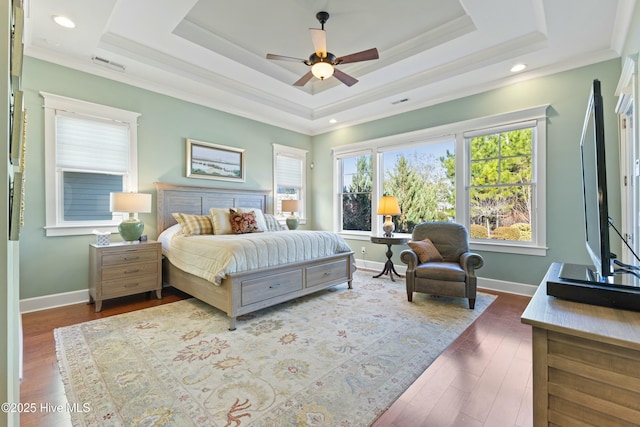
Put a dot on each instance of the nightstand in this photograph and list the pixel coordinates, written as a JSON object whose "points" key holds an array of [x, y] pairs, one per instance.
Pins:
{"points": [[121, 269]]}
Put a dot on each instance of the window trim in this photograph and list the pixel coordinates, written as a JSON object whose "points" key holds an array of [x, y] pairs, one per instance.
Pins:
{"points": [[301, 155], [458, 130], [54, 225]]}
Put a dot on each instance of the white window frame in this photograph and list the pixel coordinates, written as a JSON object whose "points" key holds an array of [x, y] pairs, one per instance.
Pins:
{"points": [[298, 154], [456, 131], [55, 224], [338, 155]]}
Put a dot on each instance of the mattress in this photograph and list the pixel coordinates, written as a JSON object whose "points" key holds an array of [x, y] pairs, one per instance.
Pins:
{"points": [[213, 257]]}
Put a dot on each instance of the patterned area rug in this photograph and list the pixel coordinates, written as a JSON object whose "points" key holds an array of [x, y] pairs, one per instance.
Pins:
{"points": [[336, 358]]}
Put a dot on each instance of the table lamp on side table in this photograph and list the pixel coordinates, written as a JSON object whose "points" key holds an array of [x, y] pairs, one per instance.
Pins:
{"points": [[388, 206], [131, 228], [291, 206]]}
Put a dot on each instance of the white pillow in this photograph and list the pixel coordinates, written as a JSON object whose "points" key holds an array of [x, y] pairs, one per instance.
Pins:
{"points": [[222, 223]]}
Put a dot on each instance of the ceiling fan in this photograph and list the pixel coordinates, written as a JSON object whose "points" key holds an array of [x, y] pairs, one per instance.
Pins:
{"points": [[323, 63]]}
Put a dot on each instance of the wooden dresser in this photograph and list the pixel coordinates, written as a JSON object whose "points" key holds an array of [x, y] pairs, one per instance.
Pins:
{"points": [[586, 362], [121, 269]]}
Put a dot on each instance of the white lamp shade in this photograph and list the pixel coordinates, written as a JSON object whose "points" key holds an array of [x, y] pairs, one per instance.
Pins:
{"points": [[291, 206], [130, 202], [322, 70]]}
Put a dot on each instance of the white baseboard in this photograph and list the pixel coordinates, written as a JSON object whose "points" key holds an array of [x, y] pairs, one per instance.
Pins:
{"points": [[52, 301], [485, 283]]}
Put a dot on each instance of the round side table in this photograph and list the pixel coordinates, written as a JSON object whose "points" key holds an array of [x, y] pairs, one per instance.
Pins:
{"points": [[389, 241]]}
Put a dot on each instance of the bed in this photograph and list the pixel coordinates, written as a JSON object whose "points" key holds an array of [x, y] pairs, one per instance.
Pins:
{"points": [[245, 291]]}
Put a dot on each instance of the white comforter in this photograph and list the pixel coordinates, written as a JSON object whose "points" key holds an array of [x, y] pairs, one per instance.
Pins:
{"points": [[212, 257]]}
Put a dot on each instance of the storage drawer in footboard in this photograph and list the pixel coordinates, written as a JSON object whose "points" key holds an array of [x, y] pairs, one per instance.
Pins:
{"points": [[325, 273], [275, 285]]}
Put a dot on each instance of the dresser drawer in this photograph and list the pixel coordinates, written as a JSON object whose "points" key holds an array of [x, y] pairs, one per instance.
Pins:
{"points": [[130, 270], [265, 288], [129, 256], [116, 288], [321, 274]]}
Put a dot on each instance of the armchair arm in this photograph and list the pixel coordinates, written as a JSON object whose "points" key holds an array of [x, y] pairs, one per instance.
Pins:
{"points": [[470, 261], [410, 258]]}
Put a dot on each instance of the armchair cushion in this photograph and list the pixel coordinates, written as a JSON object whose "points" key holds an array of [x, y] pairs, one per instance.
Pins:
{"points": [[449, 271], [425, 250]]}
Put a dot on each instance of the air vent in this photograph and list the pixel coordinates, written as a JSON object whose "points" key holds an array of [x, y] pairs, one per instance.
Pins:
{"points": [[109, 64], [399, 101]]}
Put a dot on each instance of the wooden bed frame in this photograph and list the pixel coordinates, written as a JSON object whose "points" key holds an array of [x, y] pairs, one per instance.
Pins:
{"points": [[244, 292]]}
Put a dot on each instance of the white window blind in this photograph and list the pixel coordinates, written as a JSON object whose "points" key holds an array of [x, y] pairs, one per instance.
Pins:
{"points": [[289, 171], [85, 143]]}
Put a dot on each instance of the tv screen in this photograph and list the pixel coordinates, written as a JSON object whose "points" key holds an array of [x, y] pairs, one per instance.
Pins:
{"points": [[594, 180]]}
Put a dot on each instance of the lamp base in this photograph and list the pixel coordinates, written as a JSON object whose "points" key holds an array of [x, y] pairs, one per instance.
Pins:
{"points": [[388, 226], [292, 222], [131, 229]]}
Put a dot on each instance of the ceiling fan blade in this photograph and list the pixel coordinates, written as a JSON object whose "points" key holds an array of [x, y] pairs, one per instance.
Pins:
{"points": [[304, 79], [285, 58], [365, 55], [319, 39], [344, 78]]}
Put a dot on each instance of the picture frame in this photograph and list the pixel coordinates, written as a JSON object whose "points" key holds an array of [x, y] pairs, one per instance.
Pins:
{"points": [[16, 208], [17, 49], [17, 127], [213, 161]]}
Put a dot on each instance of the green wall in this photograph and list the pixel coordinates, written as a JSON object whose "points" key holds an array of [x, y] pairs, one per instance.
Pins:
{"points": [[567, 95], [50, 265]]}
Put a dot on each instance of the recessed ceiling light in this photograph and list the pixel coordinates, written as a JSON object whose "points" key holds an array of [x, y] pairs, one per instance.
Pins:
{"points": [[518, 67], [63, 21], [333, 121]]}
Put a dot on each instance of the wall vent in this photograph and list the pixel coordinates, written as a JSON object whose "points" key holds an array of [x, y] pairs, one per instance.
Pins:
{"points": [[109, 64], [400, 101]]}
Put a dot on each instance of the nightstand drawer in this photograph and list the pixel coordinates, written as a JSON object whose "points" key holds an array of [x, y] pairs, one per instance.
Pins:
{"points": [[131, 270], [118, 288], [129, 256]]}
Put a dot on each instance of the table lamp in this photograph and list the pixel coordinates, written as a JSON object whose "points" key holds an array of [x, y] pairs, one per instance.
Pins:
{"points": [[388, 206], [291, 206], [131, 228]]}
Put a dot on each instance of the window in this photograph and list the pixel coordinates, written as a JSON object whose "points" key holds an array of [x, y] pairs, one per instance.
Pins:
{"points": [[487, 174], [501, 183], [419, 177], [356, 184], [90, 151], [289, 178]]}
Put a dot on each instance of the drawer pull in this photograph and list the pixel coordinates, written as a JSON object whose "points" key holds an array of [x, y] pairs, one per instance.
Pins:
{"points": [[131, 258], [274, 286], [132, 271], [131, 285]]}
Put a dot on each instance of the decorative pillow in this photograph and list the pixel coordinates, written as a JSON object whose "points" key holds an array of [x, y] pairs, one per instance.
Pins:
{"points": [[273, 224], [243, 222], [194, 224], [426, 251], [222, 223]]}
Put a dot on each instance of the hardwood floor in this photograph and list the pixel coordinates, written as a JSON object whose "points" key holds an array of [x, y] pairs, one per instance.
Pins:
{"points": [[482, 379]]}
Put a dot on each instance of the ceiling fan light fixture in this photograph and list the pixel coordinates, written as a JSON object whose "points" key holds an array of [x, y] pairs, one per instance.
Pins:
{"points": [[322, 70]]}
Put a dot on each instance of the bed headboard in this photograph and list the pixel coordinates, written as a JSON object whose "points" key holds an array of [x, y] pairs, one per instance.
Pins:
{"points": [[197, 200]]}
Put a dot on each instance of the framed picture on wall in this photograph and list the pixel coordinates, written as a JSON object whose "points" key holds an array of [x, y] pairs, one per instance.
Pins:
{"points": [[17, 127], [16, 206], [213, 161], [17, 47]]}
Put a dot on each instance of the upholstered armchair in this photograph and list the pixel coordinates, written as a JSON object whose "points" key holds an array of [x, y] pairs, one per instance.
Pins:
{"points": [[439, 261]]}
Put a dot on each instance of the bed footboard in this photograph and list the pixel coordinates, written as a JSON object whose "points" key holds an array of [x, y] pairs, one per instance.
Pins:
{"points": [[245, 292]]}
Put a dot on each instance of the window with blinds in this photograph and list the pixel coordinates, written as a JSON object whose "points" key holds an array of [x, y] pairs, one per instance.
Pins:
{"points": [[90, 151], [289, 178], [92, 157]]}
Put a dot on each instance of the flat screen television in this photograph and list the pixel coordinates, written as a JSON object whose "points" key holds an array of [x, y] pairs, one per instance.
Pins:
{"points": [[594, 186]]}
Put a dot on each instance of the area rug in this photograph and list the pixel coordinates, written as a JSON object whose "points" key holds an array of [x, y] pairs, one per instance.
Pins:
{"points": [[339, 357]]}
